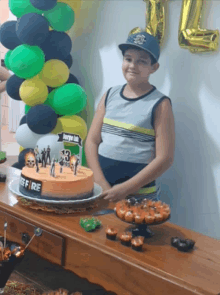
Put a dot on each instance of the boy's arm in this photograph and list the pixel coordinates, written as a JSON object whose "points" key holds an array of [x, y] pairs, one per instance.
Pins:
{"points": [[165, 142], [4, 75], [92, 143]]}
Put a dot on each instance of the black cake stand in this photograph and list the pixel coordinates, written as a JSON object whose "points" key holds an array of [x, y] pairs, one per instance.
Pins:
{"points": [[141, 229]]}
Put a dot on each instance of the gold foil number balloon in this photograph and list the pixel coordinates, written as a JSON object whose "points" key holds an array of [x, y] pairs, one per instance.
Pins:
{"points": [[155, 19], [190, 35]]}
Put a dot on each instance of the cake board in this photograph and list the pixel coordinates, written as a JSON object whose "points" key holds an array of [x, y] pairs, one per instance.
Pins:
{"points": [[54, 206]]}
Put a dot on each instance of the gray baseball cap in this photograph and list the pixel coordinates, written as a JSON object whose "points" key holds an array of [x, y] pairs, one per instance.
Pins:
{"points": [[142, 41]]}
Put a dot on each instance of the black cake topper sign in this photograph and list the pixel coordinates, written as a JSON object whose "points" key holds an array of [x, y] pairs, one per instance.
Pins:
{"points": [[72, 138]]}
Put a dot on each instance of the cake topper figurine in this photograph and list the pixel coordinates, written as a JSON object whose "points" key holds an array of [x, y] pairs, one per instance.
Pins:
{"points": [[37, 166], [66, 154], [30, 159], [61, 162], [74, 163], [48, 155], [77, 165], [72, 138], [36, 152], [52, 167], [43, 153]]}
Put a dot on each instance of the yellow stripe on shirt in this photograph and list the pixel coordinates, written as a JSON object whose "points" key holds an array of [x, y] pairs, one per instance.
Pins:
{"points": [[147, 190], [129, 127]]}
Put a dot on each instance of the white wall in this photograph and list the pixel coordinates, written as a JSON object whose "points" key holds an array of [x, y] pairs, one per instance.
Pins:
{"points": [[191, 186]]}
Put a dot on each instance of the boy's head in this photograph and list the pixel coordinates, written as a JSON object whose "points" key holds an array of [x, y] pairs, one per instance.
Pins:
{"points": [[143, 41], [141, 53]]}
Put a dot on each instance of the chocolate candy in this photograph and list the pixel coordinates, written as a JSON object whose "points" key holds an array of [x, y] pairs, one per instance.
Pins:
{"points": [[183, 245], [174, 241], [2, 177]]}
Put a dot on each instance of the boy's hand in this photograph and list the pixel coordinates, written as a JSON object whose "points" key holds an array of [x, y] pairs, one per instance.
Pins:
{"points": [[104, 185], [116, 193]]}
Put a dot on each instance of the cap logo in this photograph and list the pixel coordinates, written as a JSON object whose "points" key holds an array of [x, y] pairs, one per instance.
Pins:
{"points": [[140, 39]]}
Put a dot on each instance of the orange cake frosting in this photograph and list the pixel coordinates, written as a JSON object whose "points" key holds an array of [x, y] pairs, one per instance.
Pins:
{"points": [[64, 186]]}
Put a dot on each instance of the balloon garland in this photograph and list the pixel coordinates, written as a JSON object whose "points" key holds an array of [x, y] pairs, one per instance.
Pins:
{"points": [[39, 55]]}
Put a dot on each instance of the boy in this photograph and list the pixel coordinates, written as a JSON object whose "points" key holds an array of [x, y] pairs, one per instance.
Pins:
{"points": [[131, 139]]}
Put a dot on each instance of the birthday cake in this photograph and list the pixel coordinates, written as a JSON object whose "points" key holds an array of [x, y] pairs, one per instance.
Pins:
{"points": [[56, 181]]}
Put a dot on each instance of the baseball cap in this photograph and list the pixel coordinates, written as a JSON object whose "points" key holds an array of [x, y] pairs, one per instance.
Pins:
{"points": [[142, 41]]}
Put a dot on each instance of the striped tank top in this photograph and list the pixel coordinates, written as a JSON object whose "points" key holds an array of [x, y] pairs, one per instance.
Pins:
{"points": [[128, 137]]}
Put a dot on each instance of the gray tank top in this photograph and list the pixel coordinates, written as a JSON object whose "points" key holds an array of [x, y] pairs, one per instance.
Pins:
{"points": [[128, 126]]}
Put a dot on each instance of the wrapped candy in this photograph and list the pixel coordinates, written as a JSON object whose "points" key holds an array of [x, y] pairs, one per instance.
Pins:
{"points": [[90, 224]]}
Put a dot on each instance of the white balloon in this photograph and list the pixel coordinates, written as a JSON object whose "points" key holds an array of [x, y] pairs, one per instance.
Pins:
{"points": [[25, 137], [52, 141]]}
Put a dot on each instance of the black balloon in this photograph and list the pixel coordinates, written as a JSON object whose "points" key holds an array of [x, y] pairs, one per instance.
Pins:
{"points": [[17, 165], [50, 89], [72, 79], [21, 156], [8, 36], [41, 119], [57, 46], [68, 61], [44, 4], [23, 120], [12, 86], [32, 29]]}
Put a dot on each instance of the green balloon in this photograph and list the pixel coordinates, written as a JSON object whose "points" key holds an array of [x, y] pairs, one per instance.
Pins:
{"points": [[49, 99], [61, 17], [26, 109], [26, 61], [21, 7], [6, 60], [68, 99]]}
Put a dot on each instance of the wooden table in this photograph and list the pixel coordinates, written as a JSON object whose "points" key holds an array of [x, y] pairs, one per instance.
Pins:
{"points": [[159, 269]]}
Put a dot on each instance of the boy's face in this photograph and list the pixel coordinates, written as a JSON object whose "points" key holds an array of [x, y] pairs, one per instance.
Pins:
{"points": [[136, 66]]}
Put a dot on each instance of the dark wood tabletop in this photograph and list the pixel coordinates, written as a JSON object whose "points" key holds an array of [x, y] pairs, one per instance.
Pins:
{"points": [[159, 269]]}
